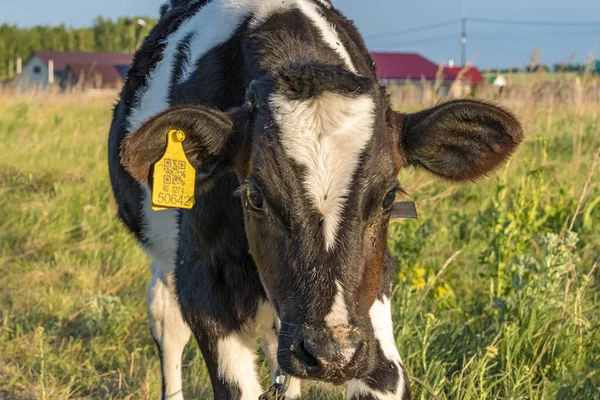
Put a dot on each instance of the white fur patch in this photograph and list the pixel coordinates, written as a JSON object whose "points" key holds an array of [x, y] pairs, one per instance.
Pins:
{"points": [[161, 231], [327, 30], [168, 329], [216, 23], [339, 312], [325, 3], [381, 320], [237, 363], [357, 389], [327, 135], [214, 29]]}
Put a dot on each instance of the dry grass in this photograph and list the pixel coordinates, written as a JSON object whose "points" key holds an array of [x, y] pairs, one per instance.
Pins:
{"points": [[515, 314]]}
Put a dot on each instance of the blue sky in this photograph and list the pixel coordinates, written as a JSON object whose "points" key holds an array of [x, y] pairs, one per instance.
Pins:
{"points": [[489, 45]]}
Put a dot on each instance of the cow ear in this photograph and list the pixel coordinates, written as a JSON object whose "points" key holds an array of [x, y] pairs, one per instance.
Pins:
{"points": [[458, 140], [210, 145]]}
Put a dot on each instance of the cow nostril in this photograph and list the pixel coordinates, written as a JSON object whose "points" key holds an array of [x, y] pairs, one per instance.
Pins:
{"points": [[358, 346], [307, 360], [357, 350]]}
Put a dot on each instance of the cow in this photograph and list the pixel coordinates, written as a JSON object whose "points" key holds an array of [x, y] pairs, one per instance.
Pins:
{"points": [[297, 150]]}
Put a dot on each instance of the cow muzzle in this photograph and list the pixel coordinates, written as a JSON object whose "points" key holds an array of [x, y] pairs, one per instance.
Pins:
{"points": [[334, 355]]}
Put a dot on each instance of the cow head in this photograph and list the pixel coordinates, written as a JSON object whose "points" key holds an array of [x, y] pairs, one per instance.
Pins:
{"points": [[317, 150]]}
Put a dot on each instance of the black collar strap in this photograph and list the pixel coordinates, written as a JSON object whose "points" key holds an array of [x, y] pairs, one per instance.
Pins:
{"points": [[403, 210]]}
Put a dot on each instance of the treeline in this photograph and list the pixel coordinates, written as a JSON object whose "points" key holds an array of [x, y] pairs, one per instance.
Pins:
{"points": [[122, 35], [577, 68]]}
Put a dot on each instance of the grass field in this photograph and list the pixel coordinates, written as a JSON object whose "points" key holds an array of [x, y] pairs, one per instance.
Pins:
{"points": [[498, 293]]}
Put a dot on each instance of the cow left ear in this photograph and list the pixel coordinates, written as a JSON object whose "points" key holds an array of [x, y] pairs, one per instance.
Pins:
{"points": [[459, 140], [212, 141]]}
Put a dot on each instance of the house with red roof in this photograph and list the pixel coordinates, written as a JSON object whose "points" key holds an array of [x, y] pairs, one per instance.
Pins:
{"points": [[470, 76], [408, 66], [402, 72], [43, 68]]}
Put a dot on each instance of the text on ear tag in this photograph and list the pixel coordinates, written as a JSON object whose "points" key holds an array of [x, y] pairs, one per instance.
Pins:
{"points": [[174, 177], [404, 209]]}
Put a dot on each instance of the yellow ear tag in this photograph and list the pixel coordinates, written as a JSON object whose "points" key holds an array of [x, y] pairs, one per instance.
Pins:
{"points": [[174, 177]]}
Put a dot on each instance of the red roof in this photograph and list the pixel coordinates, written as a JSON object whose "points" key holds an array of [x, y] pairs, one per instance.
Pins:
{"points": [[471, 75], [407, 66], [63, 58], [95, 75]]}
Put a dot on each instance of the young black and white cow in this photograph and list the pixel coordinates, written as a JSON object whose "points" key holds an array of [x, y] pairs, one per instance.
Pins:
{"points": [[297, 150]]}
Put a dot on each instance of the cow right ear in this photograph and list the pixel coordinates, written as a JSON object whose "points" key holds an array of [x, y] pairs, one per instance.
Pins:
{"points": [[211, 143]]}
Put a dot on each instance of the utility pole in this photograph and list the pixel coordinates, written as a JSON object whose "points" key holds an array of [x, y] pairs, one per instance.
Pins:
{"points": [[463, 35], [11, 63], [463, 42]]}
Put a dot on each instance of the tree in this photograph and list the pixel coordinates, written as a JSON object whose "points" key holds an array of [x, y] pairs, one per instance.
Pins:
{"points": [[104, 35]]}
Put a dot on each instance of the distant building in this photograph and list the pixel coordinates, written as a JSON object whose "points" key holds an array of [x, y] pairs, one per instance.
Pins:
{"points": [[402, 72], [400, 67], [499, 81], [45, 68], [466, 80], [91, 76], [470, 76]]}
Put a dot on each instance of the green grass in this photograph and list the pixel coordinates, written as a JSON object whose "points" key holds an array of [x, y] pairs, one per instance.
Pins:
{"points": [[496, 296]]}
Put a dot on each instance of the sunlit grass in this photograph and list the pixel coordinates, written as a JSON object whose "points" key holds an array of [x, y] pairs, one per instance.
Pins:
{"points": [[515, 314]]}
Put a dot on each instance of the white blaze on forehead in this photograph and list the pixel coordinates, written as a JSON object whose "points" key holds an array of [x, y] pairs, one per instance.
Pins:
{"points": [[339, 312], [326, 135]]}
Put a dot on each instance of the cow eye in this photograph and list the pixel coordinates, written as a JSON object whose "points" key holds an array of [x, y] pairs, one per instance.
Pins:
{"points": [[254, 199], [389, 199]]}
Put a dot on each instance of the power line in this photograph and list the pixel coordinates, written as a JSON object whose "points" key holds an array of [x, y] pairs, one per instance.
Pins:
{"points": [[415, 29], [521, 34], [533, 23], [439, 38], [477, 36], [480, 20]]}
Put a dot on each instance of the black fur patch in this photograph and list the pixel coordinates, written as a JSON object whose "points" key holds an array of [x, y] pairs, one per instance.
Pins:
{"points": [[299, 81], [182, 59], [385, 377]]}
